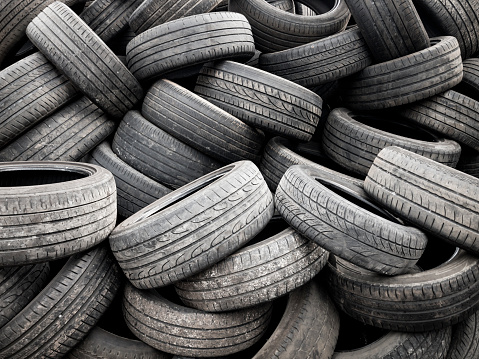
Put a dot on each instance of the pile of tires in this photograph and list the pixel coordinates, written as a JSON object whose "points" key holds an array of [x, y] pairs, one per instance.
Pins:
{"points": [[239, 179]]}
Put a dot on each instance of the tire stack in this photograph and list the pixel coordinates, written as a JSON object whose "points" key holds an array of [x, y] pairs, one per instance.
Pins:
{"points": [[239, 179]]}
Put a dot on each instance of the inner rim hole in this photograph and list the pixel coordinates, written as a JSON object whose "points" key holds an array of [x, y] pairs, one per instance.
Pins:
{"points": [[17, 178]]}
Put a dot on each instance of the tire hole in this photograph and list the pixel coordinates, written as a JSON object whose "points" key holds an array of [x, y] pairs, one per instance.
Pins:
{"points": [[19, 177]]}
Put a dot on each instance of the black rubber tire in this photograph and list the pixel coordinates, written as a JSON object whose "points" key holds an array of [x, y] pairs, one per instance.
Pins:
{"points": [[30, 90], [61, 315], [157, 154], [15, 15], [469, 85], [451, 114], [400, 345], [119, 43], [134, 190], [469, 162], [200, 124], [152, 13], [53, 209], [431, 196], [179, 330], [302, 9], [108, 18], [406, 79], [417, 302], [353, 140], [67, 135], [391, 28], [255, 274], [100, 343], [194, 227], [342, 220], [465, 339], [180, 47], [458, 18], [276, 30], [321, 61], [280, 154], [285, 5], [84, 58], [261, 99], [308, 328], [18, 286]]}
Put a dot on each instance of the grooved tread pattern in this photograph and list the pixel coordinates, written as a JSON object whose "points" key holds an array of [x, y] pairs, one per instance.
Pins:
{"points": [[261, 99], [415, 302], [84, 58], [184, 331], [431, 196], [470, 80], [200, 124], [354, 145], [344, 228], [465, 339], [68, 135], [65, 310], [406, 79], [178, 46], [321, 61], [256, 274], [200, 229], [391, 28], [30, 90], [134, 190], [157, 154]]}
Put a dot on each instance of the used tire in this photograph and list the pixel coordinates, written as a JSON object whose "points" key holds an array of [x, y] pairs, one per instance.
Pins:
{"points": [[465, 339], [342, 220], [429, 195], [469, 85], [194, 227], [84, 58], [53, 209]]}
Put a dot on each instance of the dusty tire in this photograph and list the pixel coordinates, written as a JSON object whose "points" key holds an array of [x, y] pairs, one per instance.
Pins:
{"points": [[406, 79], [469, 85], [65, 310], [340, 218], [193, 227], [261, 99], [66, 207], [465, 339], [431, 196], [184, 331], [84, 58]]}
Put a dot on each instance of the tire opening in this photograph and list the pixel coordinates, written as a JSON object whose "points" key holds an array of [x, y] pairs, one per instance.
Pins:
{"points": [[397, 126], [34, 177], [275, 225], [319, 7], [437, 252]]}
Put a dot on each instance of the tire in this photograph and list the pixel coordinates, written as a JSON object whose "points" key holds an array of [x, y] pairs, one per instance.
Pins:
{"points": [[469, 85], [18, 286], [406, 79], [66, 207], [200, 124], [465, 339], [308, 329], [193, 227], [119, 42], [134, 190], [158, 155], [451, 114], [65, 310], [417, 302], [67, 135], [391, 28], [30, 90], [102, 344], [433, 197], [15, 15], [458, 18], [153, 13], [342, 220], [353, 140], [261, 99], [180, 47], [107, 18], [256, 274], [179, 330], [469, 162], [276, 30], [303, 9], [280, 154], [85, 59], [321, 61]]}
